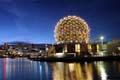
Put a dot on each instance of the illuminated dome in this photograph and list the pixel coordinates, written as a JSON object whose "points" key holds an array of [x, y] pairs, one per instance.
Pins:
{"points": [[71, 29]]}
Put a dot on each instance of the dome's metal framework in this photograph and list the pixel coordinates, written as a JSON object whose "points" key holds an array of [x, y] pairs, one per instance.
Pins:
{"points": [[71, 29]]}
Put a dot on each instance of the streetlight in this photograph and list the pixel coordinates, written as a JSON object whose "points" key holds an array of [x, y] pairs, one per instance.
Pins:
{"points": [[101, 39]]}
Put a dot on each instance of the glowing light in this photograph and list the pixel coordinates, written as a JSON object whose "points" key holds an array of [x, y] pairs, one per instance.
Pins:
{"points": [[101, 70], [102, 37], [40, 68], [103, 74], [77, 47], [59, 54], [101, 53], [71, 29], [72, 67]]}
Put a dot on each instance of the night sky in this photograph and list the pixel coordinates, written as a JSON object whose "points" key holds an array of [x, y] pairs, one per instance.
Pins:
{"points": [[34, 20]]}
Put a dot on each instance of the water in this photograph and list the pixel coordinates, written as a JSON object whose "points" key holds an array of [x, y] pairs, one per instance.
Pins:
{"points": [[24, 69]]}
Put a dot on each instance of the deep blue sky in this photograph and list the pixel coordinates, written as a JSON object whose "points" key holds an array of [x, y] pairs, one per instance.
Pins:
{"points": [[34, 20]]}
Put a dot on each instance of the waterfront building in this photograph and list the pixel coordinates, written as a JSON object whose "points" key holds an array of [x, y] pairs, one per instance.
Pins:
{"points": [[113, 47]]}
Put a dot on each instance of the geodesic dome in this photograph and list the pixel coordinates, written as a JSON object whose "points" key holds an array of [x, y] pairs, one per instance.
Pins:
{"points": [[71, 29]]}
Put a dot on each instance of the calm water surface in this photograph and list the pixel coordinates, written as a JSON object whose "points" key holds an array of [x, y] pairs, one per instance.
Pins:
{"points": [[24, 69]]}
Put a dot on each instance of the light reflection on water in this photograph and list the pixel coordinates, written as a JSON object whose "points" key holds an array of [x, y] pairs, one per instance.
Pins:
{"points": [[24, 69], [72, 71]]}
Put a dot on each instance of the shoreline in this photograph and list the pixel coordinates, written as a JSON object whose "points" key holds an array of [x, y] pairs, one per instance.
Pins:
{"points": [[77, 59]]}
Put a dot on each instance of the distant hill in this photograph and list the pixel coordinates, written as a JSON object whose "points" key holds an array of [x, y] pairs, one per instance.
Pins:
{"points": [[18, 42], [15, 43]]}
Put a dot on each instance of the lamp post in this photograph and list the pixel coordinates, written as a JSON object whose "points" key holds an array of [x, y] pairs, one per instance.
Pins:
{"points": [[101, 39]]}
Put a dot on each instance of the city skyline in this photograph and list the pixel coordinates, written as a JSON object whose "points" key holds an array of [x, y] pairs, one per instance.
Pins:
{"points": [[35, 20]]}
